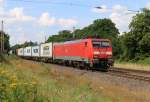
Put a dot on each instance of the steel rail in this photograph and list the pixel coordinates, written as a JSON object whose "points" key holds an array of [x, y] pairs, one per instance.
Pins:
{"points": [[129, 73]]}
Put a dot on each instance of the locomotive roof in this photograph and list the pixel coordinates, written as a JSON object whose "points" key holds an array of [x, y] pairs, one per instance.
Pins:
{"points": [[68, 42], [80, 40]]}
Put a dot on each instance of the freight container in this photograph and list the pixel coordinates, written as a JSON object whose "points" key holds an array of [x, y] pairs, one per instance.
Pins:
{"points": [[20, 52], [46, 50], [36, 51], [28, 51]]}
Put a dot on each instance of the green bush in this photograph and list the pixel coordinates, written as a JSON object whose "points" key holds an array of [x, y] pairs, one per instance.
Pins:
{"points": [[14, 90]]}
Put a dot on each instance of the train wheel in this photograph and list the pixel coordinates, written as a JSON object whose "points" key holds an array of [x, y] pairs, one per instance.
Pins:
{"points": [[105, 68], [86, 66], [77, 65]]}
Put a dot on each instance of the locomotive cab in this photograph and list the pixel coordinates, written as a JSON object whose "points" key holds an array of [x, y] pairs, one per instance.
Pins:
{"points": [[102, 53]]}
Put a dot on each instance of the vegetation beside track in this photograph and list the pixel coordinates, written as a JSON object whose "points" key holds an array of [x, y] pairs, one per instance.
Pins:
{"points": [[25, 81], [28, 81], [143, 64]]}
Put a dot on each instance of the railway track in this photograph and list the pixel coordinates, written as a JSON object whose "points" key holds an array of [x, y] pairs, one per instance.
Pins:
{"points": [[129, 73]]}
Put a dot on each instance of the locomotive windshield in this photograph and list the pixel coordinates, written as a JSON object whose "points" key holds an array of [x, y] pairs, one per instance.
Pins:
{"points": [[99, 44]]}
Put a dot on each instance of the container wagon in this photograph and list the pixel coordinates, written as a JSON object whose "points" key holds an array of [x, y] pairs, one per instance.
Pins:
{"points": [[46, 52]]}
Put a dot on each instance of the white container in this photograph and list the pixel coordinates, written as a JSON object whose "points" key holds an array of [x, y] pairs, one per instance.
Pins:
{"points": [[20, 52], [46, 50], [28, 51], [36, 51]]}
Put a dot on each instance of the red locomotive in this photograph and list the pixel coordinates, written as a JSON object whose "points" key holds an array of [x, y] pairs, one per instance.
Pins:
{"points": [[94, 53]]}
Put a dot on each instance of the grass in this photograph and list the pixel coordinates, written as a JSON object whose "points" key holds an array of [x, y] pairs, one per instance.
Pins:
{"points": [[143, 64], [145, 61], [25, 81], [28, 81]]}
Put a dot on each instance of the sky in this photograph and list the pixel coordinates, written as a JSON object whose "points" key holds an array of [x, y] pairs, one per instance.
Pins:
{"points": [[35, 20]]}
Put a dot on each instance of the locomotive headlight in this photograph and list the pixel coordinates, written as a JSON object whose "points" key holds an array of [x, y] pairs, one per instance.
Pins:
{"points": [[109, 53], [96, 52]]}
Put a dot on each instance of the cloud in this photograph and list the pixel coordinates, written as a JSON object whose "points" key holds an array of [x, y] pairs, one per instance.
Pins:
{"points": [[17, 15], [22, 38], [1, 7], [148, 5], [67, 22], [22, 27], [119, 9], [46, 20], [1, 2], [18, 36], [122, 21], [119, 15]]}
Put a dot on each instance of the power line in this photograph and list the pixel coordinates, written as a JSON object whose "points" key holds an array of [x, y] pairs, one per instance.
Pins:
{"points": [[53, 3]]}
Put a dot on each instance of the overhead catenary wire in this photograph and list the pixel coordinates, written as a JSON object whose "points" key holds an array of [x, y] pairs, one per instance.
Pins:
{"points": [[64, 4], [53, 3]]}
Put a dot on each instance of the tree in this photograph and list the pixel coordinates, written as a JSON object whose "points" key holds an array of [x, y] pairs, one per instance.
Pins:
{"points": [[63, 35], [129, 45], [100, 28], [17, 46], [6, 41], [30, 43], [104, 28], [136, 42], [144, 44]]}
